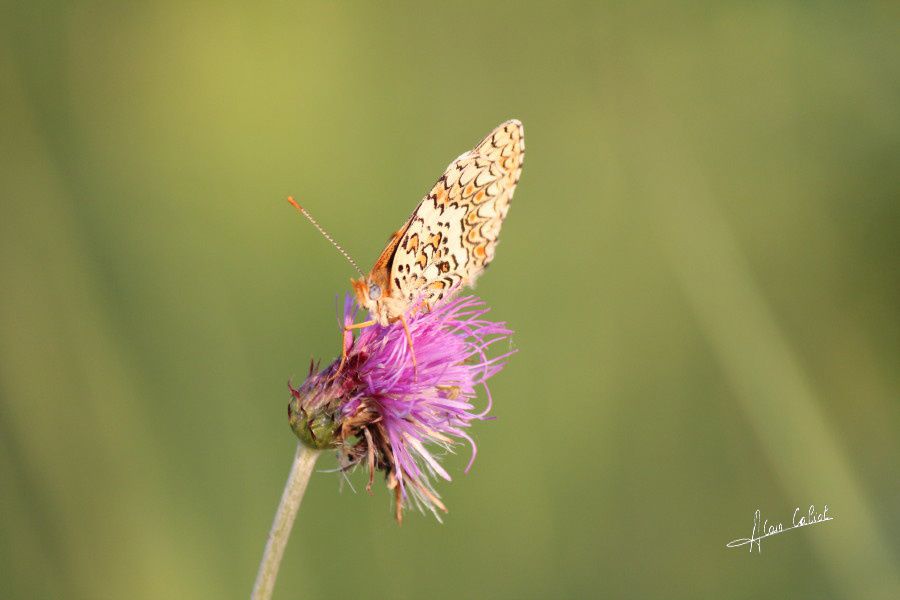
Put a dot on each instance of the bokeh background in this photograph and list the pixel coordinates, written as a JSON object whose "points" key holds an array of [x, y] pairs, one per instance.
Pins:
{"points": [[701, 265]]}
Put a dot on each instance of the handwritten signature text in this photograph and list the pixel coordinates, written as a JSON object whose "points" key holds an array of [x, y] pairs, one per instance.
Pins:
{"points": [[763, 528]]}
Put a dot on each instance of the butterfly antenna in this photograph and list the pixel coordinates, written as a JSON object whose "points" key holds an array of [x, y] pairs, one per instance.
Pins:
{"points": [[303, 211]]}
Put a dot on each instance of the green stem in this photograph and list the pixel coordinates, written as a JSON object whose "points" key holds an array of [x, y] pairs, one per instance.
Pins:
{"points": [[294, 489]]}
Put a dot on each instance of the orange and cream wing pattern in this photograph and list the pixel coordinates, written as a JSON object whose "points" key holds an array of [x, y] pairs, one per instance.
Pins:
{"points": [[452, 235]]}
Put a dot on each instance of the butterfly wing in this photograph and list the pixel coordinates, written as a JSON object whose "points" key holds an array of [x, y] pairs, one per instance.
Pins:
{"points": [[452, 235]]}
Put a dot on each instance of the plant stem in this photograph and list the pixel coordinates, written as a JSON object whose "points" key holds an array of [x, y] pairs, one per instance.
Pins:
{"points": [[294, 489]]}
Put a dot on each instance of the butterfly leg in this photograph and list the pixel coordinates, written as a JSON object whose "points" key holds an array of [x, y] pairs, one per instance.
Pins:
{"points": [[344, 346], [409, 341]]}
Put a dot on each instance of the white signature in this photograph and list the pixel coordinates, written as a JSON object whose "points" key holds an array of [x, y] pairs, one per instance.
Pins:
{"points": [[763, 529]]}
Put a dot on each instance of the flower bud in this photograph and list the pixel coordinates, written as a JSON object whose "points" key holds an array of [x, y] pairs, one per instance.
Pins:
{"points": [[315, 429], [314, 410]]}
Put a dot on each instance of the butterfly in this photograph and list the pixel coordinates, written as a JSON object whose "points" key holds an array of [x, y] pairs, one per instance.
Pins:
{"points": [[451, 236]]}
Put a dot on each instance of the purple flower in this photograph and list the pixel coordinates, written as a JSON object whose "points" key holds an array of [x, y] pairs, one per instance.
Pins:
{"points": [[386, 412]]}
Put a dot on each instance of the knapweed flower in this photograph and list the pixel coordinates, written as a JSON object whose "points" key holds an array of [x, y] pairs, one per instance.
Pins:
{"points": [[389, 407]]}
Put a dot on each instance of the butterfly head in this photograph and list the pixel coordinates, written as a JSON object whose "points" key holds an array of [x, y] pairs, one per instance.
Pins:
{"points": [[368, 295], [372, 296]]}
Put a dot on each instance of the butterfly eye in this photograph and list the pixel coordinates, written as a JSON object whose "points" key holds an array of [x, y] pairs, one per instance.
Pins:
{"points": [[374, 291]]}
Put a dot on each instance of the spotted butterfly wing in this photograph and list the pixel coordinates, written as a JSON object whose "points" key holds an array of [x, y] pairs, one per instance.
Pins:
{"points": [[452, 235]]}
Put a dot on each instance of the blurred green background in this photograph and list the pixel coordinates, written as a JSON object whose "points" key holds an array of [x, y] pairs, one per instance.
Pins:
{"points": [[701, 266]]}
